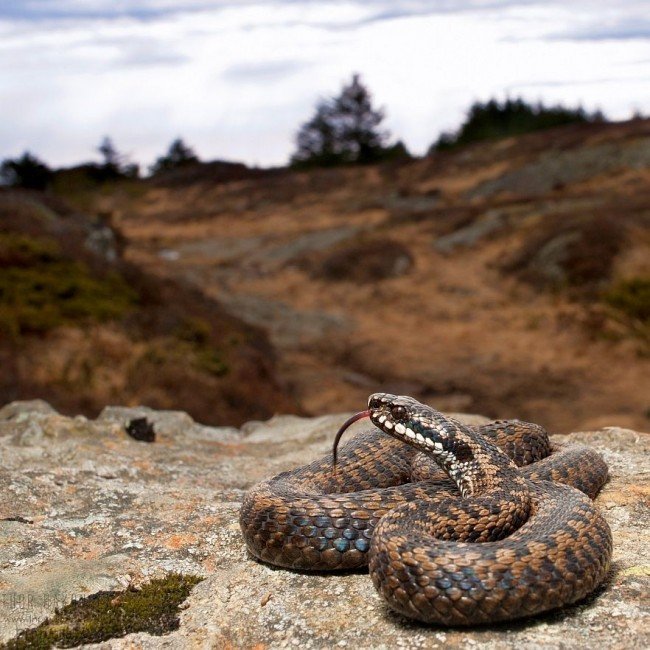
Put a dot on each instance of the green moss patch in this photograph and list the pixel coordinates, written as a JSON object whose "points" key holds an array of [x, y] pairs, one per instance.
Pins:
{"points": [[631, 298], [41, 289], [111, 614], [194, 336], [629, 306]]}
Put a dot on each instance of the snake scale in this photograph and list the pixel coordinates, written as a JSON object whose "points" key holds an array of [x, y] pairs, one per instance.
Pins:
{"points": [[459, 526]]}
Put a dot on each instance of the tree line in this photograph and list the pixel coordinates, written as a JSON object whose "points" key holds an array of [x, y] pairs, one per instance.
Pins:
{"points": [[345, 129]]}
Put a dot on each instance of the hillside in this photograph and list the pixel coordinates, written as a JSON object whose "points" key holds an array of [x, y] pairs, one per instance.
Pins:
{"points": [[83, 328], [509, 278]]}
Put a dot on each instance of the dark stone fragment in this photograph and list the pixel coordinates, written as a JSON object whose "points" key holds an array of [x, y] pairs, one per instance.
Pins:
{"points": [[141, 429], [18, 518]]}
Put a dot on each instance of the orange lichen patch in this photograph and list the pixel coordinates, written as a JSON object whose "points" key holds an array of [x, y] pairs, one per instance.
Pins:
{"points": [[66, 538], [228, 449], [209, 564], [227, 644], [629, 496], [212, 520], [180, 540], [184, 505], [640, 490], [144, 465], [113, 445], [92, 553]]}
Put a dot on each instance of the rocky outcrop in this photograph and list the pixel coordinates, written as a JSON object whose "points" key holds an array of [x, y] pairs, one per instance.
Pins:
{"points": [[84, 507]]}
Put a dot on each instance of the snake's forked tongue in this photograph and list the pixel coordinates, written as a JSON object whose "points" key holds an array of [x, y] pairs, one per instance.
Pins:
{"points": [[341, 431]]}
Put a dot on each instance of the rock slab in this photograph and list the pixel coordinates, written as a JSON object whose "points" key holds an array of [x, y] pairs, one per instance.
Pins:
{"points": [[84, 508]]}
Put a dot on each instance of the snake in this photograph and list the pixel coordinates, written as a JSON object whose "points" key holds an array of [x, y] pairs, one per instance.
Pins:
{"points": [[458, 525]]}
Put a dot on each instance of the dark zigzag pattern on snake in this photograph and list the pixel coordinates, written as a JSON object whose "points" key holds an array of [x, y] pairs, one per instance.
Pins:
{"points": [[311, 518]]}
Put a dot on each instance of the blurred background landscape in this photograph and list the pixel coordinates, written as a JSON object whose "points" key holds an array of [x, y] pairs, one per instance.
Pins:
{"points": [[241, 209]]}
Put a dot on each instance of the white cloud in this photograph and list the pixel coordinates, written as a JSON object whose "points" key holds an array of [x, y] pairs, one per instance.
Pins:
{"points": [[235, 79]]}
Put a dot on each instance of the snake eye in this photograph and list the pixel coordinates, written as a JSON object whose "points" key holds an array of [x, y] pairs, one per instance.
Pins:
{"points": [[398, 412]]}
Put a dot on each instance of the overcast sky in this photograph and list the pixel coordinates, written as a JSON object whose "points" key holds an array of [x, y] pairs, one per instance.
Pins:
{"points": [[236, 78]]}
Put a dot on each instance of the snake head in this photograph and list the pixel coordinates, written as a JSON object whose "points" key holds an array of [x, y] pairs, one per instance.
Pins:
{"points": [[419, 425], [408, 420], [468, 458], [405, 418]]}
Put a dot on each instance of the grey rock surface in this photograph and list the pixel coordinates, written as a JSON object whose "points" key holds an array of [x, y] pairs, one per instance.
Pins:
{"points": [[84, 508], [288, 328], [469, 236], [558, 168]]}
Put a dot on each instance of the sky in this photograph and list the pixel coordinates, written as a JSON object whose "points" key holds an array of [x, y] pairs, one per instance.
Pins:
{"points": [[236, 78]]}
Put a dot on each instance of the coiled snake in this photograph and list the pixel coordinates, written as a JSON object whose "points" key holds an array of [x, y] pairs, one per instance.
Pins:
{"points": [[484, 541]]}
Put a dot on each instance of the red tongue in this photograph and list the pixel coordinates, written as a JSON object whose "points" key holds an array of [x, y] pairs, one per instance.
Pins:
{"points": [[345, 425]]}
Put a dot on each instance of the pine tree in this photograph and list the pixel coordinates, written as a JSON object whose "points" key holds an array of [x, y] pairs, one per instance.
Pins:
{"points": [[27, 171], [344, 129], [492, 120], [178, 155], [115, 165]]}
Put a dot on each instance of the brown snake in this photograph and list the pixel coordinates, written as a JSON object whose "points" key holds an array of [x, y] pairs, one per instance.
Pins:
{"points": [[483, 541]]}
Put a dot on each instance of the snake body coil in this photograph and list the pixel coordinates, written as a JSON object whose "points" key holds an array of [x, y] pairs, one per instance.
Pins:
{"points": [[483, 540]]}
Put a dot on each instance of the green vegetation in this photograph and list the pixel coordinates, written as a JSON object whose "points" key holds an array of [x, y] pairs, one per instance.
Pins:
{"points": [[211, 362], [493, 120], [27, 172], [178, 155], [631, 298], [111, 614], [116, 165], [193, 330], [41, 289], [195, 333], [345, 129]]}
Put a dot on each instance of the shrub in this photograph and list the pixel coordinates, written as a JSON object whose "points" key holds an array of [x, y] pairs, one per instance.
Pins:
{"points": [[568, 251], [178, 155], [492, 120], [361, 261], [27, 172], [344, 129], [40, 289], [631, 298]]}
